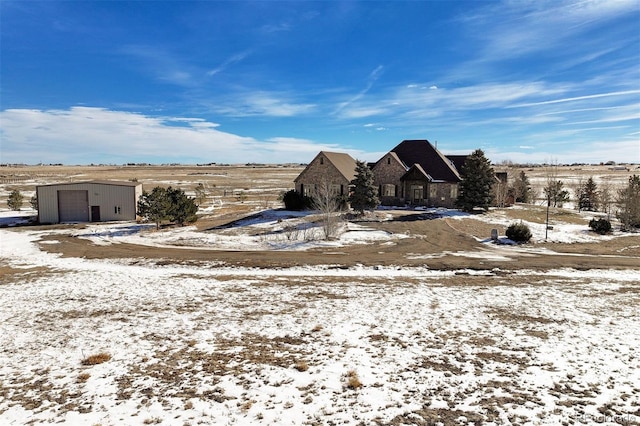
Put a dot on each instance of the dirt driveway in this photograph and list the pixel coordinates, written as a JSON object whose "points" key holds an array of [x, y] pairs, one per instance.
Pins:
{"points": [[441, 244]]}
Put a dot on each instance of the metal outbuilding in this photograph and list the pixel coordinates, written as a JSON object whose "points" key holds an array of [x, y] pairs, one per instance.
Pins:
{"points": [[91, 201]]}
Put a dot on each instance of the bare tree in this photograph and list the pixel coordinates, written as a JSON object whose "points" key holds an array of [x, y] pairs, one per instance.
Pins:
{"points": [[501, 190], [554, 192], [606, 197], [576, 188], [327, 202], [201, 194]]}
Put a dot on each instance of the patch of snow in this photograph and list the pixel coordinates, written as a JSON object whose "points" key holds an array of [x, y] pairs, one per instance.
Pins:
{"points": [[221, 345]]}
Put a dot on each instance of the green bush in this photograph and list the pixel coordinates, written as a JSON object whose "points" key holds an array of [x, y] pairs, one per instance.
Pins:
{"points": [[518, 232], [293, 200], [167, 204], [601, 226], [15, 200]]}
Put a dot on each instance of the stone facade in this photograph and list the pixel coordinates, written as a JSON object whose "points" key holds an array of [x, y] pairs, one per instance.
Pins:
{"points": [[414, 172], [398, 185], [430, 178], [387, 175], [442, 194], [334, 169]]}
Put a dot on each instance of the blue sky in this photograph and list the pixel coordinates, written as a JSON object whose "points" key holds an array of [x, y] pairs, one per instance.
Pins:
{"points": [[275, 82]]}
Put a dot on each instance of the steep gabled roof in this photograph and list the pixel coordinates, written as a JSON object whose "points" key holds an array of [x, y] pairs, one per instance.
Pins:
{"points": [[395, 158], [416, 171], [432, 161], [344, 163], [458, 161]]}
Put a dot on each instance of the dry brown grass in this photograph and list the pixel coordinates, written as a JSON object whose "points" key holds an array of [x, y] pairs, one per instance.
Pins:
{"points": [[95, 359], [302, 366], [9, 274], [538, 214], [83, 377], [426, 236], [353, 380]]}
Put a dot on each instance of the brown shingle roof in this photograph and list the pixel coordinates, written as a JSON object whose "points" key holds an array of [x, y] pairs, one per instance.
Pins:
{"points": [[432, 161], [458, 161], [345, 164]]}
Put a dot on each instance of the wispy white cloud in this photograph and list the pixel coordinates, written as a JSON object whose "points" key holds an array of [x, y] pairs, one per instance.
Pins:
{"points": [[570, 111], [373, 77], [271, 104], [549, 38], [577, 98], [276, 28], [161, 64], [82, 135], [421, 101], [232, 60], [512, 29], [287, 147], [363, 112]]}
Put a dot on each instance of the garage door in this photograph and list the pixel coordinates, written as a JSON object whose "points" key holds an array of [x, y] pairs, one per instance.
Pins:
{"points": [[73, 206]]}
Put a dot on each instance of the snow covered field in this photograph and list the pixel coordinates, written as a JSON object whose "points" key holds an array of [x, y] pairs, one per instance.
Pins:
{"points": [[187, 345]]}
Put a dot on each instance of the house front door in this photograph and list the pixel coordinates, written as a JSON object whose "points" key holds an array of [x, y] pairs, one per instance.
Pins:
{"points": [[418, 195], [95, 213]]}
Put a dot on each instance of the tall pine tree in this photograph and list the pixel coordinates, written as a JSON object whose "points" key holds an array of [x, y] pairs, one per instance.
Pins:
{"points": [[629, 203], [522, 188], [364, 195], [478, 178], [154, 205], [588, 196]]}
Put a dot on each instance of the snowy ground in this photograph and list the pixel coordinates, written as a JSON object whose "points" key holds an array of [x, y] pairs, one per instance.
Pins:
{"points": [[308, 346]]}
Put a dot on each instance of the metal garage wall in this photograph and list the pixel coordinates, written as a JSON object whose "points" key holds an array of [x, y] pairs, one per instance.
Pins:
{"points": [[73, 206], [47, 203], [115, 201]]}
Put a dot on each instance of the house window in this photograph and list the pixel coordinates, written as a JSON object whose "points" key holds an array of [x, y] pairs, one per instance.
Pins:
{"points": [[321, 160], [388, 190], [454, 191], [388, 160], [433, 191], [117, 210]]}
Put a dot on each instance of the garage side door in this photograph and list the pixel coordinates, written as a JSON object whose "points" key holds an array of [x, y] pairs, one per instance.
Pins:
{"points": [[73, 206]]}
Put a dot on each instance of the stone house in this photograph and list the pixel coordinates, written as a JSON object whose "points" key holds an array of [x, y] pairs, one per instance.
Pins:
{"points": [[334, 169], [416, 173]]}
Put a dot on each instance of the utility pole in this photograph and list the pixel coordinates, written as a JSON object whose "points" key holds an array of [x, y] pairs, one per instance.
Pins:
{"points": [[546, 228]]}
